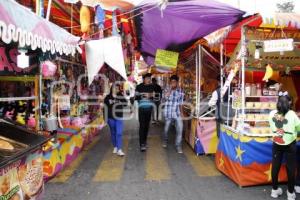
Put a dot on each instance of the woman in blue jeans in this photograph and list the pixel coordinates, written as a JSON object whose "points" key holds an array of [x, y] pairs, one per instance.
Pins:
{"points": [[115, 103]]}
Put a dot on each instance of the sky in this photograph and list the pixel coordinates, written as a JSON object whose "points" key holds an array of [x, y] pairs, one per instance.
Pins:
{"points": [[259, 6]]}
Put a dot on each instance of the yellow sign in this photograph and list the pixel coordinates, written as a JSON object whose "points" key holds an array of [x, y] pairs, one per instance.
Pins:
{"points": [[168, 59]]}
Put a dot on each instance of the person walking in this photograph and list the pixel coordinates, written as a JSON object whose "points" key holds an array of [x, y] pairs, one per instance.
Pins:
{"points": [[173, 97], [285, 124], [157, 100], [115, 102], [144, 96]]}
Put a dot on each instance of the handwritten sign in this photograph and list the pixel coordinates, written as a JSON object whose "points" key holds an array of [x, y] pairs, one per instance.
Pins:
{"points": [[167, 59], [279, 45]]}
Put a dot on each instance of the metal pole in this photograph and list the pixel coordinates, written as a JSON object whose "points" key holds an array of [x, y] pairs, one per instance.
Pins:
{"points": [[37, 7], [197, 71], [40, 97], [199, 76], [221, 68], [48, 9], [243, 57]]}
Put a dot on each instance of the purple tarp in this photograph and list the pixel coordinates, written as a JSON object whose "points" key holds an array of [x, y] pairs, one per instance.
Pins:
{"points": [[182, 23]]}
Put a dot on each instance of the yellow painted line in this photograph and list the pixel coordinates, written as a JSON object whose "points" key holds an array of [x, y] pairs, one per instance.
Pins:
{"points": [[157, 167], [202, 165], [112, 167], [64, 175]]}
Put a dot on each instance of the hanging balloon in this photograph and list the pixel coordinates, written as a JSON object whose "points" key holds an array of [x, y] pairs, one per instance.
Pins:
{"points": [[115, 30], [85, 19], [100, 17], [48, 68]]}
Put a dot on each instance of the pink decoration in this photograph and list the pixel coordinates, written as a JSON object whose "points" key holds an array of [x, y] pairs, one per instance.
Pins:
{"points": [[65, 121], [9, 114], [31, 121], [85, 119], [48, 68], [77, 122]]}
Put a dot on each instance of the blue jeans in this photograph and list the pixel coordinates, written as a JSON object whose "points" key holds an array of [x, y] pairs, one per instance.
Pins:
{"points": [[116, 129], [179, 127]]}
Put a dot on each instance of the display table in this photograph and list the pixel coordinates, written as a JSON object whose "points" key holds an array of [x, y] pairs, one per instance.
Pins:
{"points": [[245, 160], [201, 135], [21, 166], [71, 141]]}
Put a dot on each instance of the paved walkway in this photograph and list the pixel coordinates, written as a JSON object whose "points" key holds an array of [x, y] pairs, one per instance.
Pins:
{"points": [[159, 174]]}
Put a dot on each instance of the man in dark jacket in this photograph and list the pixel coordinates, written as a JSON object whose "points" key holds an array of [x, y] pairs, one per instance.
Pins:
{"points": [[144, 96]]}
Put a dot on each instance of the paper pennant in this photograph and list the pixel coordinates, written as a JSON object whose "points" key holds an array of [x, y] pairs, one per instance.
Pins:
{"points": [[109, 51]]}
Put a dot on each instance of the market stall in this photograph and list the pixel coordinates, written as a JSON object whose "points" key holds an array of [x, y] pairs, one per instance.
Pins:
{"points": [[266, 57], [199, 78], [44, 90], [21, 45]]}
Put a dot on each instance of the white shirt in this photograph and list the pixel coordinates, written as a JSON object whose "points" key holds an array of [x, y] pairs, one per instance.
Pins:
{"points": [[214, 99]]}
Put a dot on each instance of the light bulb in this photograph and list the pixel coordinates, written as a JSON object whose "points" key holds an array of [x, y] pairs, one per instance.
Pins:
{"points": [[22, 59]]}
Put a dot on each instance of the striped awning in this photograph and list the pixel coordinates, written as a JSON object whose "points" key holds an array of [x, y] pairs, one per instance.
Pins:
{"points": [[19, 24]]}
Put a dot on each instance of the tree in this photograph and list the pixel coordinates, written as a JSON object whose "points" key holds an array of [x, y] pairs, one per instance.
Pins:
{"points": [[286, 7]]}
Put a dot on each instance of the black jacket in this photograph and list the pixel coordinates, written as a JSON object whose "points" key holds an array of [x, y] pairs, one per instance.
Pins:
{"points": [[115, 105]]}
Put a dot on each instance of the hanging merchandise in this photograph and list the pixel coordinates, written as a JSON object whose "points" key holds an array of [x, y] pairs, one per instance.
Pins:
{"points": [[109, 51], [269, 73], [100, 19], [85, 19], [115, 30]]}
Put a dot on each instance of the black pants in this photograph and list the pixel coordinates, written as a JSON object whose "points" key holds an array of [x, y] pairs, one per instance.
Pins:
{"points": [[278, 152], [155, 116], [144, 119], [298, 168]]}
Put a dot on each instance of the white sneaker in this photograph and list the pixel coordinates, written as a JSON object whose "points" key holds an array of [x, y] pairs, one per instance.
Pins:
{"points": [[276, 193], [291, 196], [120, 153], [115, 150], [297, 189]]}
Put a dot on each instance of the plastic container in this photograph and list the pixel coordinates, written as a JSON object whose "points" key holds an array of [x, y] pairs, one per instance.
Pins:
{"points": [[253, 90], [50, 123], [248, 89], [258, 89]]}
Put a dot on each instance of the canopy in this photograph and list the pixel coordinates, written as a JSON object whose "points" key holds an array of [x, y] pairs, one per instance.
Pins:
{"points": [[39, 33], [113, 4], [181, 23]]}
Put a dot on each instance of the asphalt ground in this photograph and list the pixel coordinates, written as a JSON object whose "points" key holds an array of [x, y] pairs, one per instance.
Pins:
{"points": [[158, 174]]}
